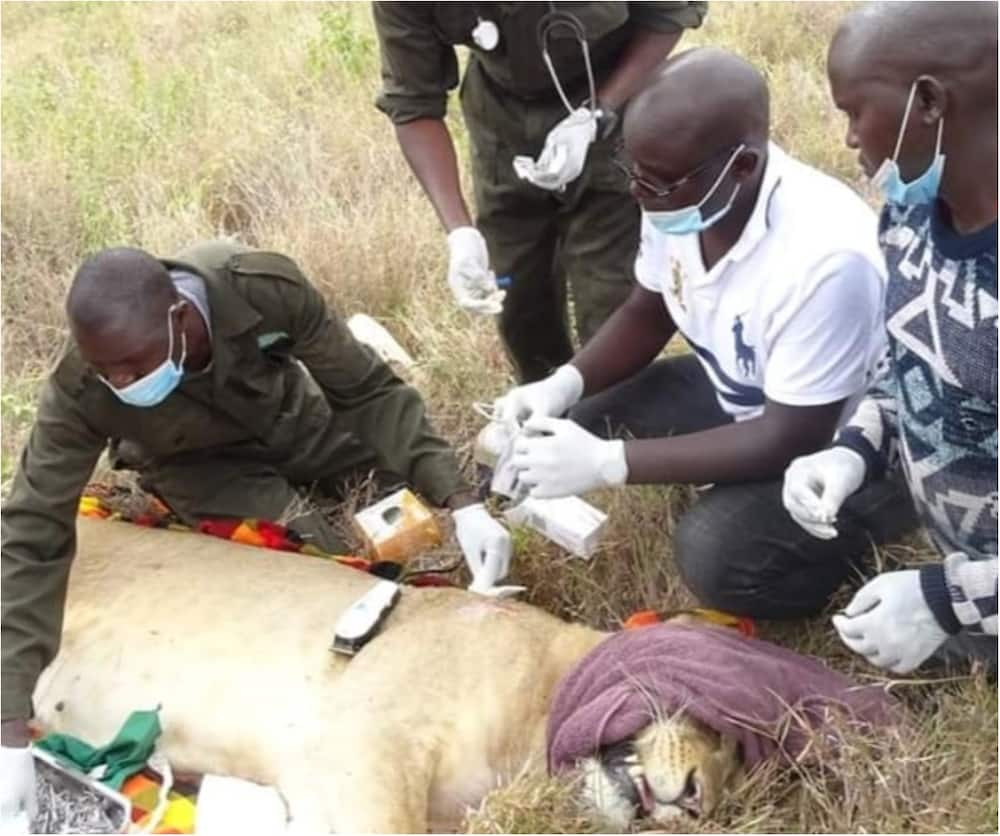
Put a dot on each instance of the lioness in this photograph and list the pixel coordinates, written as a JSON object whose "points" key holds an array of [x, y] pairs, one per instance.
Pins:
{"points": [[448, 700]]}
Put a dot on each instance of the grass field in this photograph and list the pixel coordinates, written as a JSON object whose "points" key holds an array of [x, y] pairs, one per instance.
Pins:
{"points": [[158, 124]]}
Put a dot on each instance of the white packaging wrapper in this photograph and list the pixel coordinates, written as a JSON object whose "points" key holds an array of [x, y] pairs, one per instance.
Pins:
{"points": [[492, 441], [569, 522], [231, 805]]}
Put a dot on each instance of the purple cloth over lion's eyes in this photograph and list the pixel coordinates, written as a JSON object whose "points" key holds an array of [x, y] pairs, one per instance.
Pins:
{"points": [[740, 687]]}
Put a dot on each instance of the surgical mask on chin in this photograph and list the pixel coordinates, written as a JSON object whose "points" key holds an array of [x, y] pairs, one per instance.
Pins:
{"points": [[688, 220], [922, 189], [154, 387]]}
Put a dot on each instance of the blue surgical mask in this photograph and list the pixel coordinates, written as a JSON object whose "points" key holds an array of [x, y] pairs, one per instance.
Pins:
{"points": [[689, 219], [154, 387], [924, 188]]}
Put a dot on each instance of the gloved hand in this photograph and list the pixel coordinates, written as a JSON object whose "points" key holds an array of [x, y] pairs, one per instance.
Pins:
{"points": [[485, 544], [817, 485], [469, 276], [888, 622], [564, 153], [18, 804], [548, 398], [558, 457]]}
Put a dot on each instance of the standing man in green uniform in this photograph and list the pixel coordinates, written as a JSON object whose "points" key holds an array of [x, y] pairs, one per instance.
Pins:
{"points": [[541, 96], [230, 384]]}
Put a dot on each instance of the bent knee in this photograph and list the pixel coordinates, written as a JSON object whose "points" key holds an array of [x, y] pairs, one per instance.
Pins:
{"points": [[706, 554], [741, 564]]}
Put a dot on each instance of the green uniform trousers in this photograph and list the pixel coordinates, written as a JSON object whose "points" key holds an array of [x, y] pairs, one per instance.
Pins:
{"points": [[245, 481], [232, 487], [582, 240]]}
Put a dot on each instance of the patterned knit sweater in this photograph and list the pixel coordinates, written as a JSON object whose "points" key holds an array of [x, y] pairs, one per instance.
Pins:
{"points": [[934, 406]]}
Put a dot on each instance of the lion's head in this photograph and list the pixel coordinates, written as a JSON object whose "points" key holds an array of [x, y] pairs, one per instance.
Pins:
{"points": [[674, 767]]}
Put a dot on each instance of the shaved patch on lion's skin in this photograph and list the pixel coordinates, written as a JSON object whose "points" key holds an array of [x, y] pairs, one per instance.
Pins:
{"points": [[483, 607]]}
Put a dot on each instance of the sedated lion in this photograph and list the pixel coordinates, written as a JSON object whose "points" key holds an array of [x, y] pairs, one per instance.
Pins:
{"points": [[446, 702]]}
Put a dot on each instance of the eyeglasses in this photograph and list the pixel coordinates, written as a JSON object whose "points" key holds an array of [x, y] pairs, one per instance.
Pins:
{"points": [[621, 161]]}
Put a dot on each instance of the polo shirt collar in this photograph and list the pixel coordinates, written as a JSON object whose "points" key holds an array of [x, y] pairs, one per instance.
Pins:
{"points": [[758, 224]]}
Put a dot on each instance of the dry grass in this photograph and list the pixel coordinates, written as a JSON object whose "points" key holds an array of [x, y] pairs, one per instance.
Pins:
{"points": [[159, 124], [530, 804], [916, 779]]}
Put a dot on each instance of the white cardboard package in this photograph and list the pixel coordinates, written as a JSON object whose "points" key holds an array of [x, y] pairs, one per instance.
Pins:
{"points": [[569, 521], [231, 805]]}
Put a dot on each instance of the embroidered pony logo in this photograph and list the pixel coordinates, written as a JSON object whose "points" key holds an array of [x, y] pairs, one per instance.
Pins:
{"points": [[746, 358]]}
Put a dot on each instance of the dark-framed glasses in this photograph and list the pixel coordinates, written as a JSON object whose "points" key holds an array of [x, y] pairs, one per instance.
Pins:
{"points": [[623, 163]]}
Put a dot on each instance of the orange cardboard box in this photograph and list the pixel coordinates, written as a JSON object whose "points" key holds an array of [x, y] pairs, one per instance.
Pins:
{"points": [[397, 527]]}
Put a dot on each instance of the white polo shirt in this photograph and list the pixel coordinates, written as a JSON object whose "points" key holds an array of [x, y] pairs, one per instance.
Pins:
{"points": [[793, 312]]}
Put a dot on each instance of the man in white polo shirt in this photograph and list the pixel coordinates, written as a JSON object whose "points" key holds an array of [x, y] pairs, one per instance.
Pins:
{"points": [[772, 273]]}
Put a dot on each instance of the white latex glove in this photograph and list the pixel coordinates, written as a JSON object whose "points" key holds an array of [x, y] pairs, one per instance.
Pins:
{"points": [[548, 398], [469, 276], [564, 153], [558, 457], [889, 623], [18, 804], [485, 544], [817, 485]]}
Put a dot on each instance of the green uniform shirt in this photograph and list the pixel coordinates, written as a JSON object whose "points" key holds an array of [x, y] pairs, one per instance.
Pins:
{"points": [[255, 401], [419, 65]]}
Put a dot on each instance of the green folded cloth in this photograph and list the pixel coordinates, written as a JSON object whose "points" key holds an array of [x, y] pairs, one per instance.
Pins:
{"points": [[121, 758]]}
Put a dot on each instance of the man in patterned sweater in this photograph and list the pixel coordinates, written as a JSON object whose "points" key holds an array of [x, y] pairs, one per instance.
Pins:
{"points": [[918, 82]]}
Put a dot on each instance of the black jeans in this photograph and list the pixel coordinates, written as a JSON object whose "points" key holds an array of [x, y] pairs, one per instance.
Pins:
{"points": [[738, 549]]}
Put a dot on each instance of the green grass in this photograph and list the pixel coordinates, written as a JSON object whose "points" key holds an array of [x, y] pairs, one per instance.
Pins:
{"points": [[157, 124]]}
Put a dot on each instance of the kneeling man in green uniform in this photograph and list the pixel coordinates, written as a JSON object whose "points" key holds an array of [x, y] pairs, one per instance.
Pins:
{"points": [[224, 380]]}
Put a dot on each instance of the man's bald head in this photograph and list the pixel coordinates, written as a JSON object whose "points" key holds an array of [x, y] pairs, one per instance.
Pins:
{"points": [[899, 41], [700, 101], [119, 292]]}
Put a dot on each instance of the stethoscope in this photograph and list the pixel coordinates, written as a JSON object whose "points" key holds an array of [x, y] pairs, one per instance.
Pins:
{"points": [[486, 35]]}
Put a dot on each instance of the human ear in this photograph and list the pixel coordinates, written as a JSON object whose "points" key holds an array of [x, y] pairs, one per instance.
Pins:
{"points": [[930, 100], [745, 164], [181, 309]]}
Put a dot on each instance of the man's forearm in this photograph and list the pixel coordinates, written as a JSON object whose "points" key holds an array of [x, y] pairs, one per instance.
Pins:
{"points": [[643, 54], [627, 343], [749, 451], [427, 146]]}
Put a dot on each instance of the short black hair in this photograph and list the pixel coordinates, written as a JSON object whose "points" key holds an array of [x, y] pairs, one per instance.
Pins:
{"points": [[120, 289]]}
